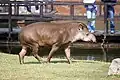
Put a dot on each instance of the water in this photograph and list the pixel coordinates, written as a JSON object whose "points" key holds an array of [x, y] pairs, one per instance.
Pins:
{"points": [[76, 53], [94, 54]]}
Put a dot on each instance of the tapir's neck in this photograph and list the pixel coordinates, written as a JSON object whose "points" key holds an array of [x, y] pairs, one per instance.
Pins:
{"points": [[77, 37]]}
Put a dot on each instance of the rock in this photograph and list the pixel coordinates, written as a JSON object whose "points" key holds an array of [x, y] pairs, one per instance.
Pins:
{"points": [[114, 68]]}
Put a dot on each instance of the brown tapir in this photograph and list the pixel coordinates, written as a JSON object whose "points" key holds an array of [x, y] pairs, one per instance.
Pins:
{"points": [[55, 35]]}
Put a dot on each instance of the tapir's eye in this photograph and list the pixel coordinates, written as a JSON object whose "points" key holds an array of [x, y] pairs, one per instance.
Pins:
{"points": [[80, 29], [87, 34]]}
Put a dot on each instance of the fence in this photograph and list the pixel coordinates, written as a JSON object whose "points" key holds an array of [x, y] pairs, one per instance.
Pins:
{"points": [[12, 11]]}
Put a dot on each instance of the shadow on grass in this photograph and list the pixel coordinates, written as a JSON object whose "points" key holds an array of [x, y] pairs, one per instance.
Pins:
{"points": [[32, 63], [112, 76], [62, 61], [50, 62]]}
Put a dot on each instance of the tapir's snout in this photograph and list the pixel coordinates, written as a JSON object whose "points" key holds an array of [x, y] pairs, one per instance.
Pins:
{"points": [[90, 37]]}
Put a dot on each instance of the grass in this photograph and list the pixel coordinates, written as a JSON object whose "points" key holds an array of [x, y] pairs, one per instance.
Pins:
{"points": [[58, 69]]}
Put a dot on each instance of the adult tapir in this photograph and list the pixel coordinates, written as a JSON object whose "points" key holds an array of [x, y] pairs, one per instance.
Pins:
{"points": [[55, 35]]}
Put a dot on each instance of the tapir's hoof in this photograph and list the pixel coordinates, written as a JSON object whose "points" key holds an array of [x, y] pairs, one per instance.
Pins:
{"points": [[69, 62]]}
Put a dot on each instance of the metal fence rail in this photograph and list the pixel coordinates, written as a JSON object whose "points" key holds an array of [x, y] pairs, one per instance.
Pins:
{"points": [[17, 4]]}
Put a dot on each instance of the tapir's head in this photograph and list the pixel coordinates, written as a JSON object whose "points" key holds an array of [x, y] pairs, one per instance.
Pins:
{"points": [[84, 34]]}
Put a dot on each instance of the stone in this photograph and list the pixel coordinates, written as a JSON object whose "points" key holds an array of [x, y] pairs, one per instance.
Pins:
{"points": [[114, 68]]}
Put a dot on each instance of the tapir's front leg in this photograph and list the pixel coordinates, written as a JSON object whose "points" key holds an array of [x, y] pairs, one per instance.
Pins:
{"points": [[67, 52]]}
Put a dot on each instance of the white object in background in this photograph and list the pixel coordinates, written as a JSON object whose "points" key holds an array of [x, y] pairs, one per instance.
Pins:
{"points": [[88, 1]]}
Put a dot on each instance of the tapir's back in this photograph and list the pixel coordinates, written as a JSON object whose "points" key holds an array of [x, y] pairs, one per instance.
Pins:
{"points": [[46, 33]]}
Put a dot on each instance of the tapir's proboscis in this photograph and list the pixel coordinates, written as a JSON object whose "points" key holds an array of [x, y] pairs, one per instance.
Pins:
{"points": [[55, 35]]}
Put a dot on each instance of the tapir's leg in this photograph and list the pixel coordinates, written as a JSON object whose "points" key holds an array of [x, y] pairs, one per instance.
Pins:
{"points": [[35, 53], [22, 54], [67, 52], [53, 50]]}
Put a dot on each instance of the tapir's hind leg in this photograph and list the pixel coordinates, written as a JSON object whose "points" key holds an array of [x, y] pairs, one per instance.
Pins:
{"points": [[22, 54], [35, 53], [53, 50]]}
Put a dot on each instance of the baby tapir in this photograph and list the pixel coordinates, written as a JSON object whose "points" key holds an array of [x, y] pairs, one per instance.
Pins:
{"points": [[55, 35]]}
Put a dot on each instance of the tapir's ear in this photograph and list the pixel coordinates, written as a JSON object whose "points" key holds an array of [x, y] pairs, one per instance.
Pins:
{"points": [[83, 26]]}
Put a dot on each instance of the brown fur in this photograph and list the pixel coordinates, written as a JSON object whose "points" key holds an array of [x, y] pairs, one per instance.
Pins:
{"points": [[50, 34]]}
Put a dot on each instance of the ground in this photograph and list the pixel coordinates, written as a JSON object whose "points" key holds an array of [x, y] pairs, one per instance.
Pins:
{"points": [[58, 69]]}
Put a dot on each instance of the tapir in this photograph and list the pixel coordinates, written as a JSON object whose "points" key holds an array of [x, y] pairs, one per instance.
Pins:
{"points": [[54, 35]]}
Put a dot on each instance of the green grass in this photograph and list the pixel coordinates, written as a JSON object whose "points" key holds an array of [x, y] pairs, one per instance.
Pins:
{"points": [[58, 69]]}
